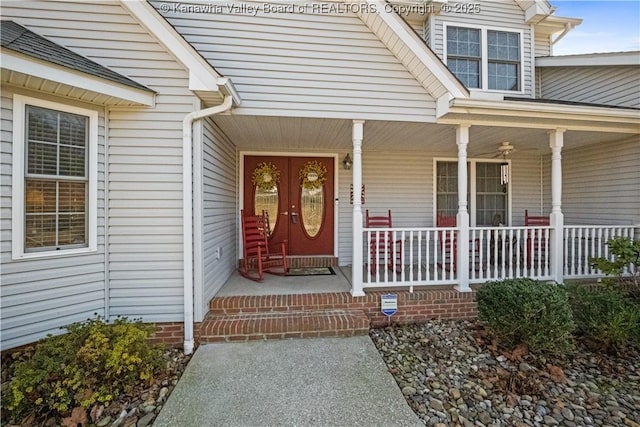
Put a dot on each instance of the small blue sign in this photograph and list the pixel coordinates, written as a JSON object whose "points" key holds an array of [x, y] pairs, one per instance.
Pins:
{"points": [[389, 304]]}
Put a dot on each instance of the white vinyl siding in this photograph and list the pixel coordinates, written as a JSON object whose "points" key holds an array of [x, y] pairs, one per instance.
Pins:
{"points": [[418, 26], [601, 183], [145, 265], [494, 15], [326, 65], [220, 210], [40, 295], [542, 45], [599, 85], [408, 191], [527, 191]]}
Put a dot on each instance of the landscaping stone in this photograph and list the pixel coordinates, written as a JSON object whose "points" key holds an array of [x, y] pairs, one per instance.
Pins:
{"points": [[459, 381], [146, 420]]}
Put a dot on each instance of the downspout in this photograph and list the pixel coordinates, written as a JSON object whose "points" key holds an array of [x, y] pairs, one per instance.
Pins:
{"points": [[107, 256], [187, 207]]}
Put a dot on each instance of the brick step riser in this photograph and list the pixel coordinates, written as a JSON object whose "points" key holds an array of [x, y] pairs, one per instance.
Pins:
{"points": [[261, 326], [335, 300], [281, 336]]}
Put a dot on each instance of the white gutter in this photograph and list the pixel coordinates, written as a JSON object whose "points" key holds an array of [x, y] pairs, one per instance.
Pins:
{"points": [[469, 106], [187, 207]]}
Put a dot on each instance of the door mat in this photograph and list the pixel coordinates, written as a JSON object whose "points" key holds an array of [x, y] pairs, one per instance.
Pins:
{"points": [[311, 271]]}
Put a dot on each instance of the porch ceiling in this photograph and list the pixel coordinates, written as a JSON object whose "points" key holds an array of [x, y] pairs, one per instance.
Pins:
{"points": [[260, 133]]}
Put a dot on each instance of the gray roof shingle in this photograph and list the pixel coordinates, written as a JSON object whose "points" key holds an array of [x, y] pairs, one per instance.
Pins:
{"points": [[19, 39]]}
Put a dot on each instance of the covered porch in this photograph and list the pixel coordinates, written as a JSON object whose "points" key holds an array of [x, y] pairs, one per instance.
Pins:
{"points": [[396, 164]]}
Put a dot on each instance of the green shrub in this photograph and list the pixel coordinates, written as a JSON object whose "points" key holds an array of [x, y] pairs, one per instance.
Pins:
{"points": [[625, 268], [525, 311], [605, 317], [93, 362]]}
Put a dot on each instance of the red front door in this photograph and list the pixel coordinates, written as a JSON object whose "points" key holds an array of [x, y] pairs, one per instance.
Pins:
{"points": [[298, 194]]}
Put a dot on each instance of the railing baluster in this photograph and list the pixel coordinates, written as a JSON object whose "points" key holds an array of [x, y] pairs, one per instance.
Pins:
{"points": [[402, 249], [580, 245], [425, 255], [411, 262], [565, 235], [509, 253], [481, 252], [368, 252], [453, 252], [547, 251], [573, 251], [377, 268], [600, 246]]}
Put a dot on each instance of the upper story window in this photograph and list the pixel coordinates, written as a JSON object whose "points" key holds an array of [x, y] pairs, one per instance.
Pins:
{"points": [[485, 59], [464, 54], [54, 183], [503, 58]]}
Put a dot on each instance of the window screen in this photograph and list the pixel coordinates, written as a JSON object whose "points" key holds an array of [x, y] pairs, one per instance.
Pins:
{"points": [[56, 179]]}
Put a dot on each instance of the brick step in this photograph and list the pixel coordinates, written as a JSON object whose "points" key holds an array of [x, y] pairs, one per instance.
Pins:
{"points": [[278, 303], [285, 324]]}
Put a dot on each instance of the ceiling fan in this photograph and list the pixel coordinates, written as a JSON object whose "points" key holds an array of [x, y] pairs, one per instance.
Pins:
{"points": [[505, 149]]}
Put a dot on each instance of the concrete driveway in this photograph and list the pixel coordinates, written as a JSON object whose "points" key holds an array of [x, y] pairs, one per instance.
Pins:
{"points": [[298, 382]]}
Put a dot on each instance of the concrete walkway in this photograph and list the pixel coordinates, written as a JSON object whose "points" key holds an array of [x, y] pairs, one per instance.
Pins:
{"points": [[299, 382]]}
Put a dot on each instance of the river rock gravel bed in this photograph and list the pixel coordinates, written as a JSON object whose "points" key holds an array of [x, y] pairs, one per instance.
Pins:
{"points": [[452, 376]]}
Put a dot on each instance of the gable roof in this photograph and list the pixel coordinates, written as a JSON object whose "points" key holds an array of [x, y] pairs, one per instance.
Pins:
{"points": [[204, 79], [19, 39]]}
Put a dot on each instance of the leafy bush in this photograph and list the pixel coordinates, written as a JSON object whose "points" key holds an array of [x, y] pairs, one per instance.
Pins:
{"points": [[627, 260], [605, 317], [94, 362], [525, 311]]}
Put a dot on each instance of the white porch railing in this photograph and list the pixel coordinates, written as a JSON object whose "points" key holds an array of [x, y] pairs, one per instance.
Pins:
{"points": [[409, 256], [401, 257], [508, 253], [583, 242]]}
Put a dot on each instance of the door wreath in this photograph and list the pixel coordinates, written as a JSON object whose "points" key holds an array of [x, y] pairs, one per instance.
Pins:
{"points": [[266, 176], [313, 175]]}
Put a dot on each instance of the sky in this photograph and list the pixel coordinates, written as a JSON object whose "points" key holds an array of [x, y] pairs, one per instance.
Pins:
{"points": [[608, 26]]}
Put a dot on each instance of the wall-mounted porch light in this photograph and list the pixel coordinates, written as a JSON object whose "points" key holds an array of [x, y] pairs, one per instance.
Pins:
{"points": [[347, 162]]}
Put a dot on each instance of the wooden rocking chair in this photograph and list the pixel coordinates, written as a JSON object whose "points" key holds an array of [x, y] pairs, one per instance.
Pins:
{"points": [[536, 245], [385, 244], [255, 247], [450, 244]]}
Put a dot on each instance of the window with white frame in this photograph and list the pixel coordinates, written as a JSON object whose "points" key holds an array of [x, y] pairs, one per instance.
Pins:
{"points": [[491, 199], [485, 58], [464, 54], [487, 198], [54, 179], [503, 60]]}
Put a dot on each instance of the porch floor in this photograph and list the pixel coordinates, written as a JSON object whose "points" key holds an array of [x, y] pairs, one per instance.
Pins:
{"points": [[238, 285]]}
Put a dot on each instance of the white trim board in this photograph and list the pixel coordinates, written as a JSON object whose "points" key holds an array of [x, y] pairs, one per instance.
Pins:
{"points": [[471, 208], [17, 187], [45, 70], [484, 55]]}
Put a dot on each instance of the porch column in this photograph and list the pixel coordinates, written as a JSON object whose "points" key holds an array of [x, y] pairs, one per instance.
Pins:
{"points": [[356, 263], [462, 219], [556, 219]]}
